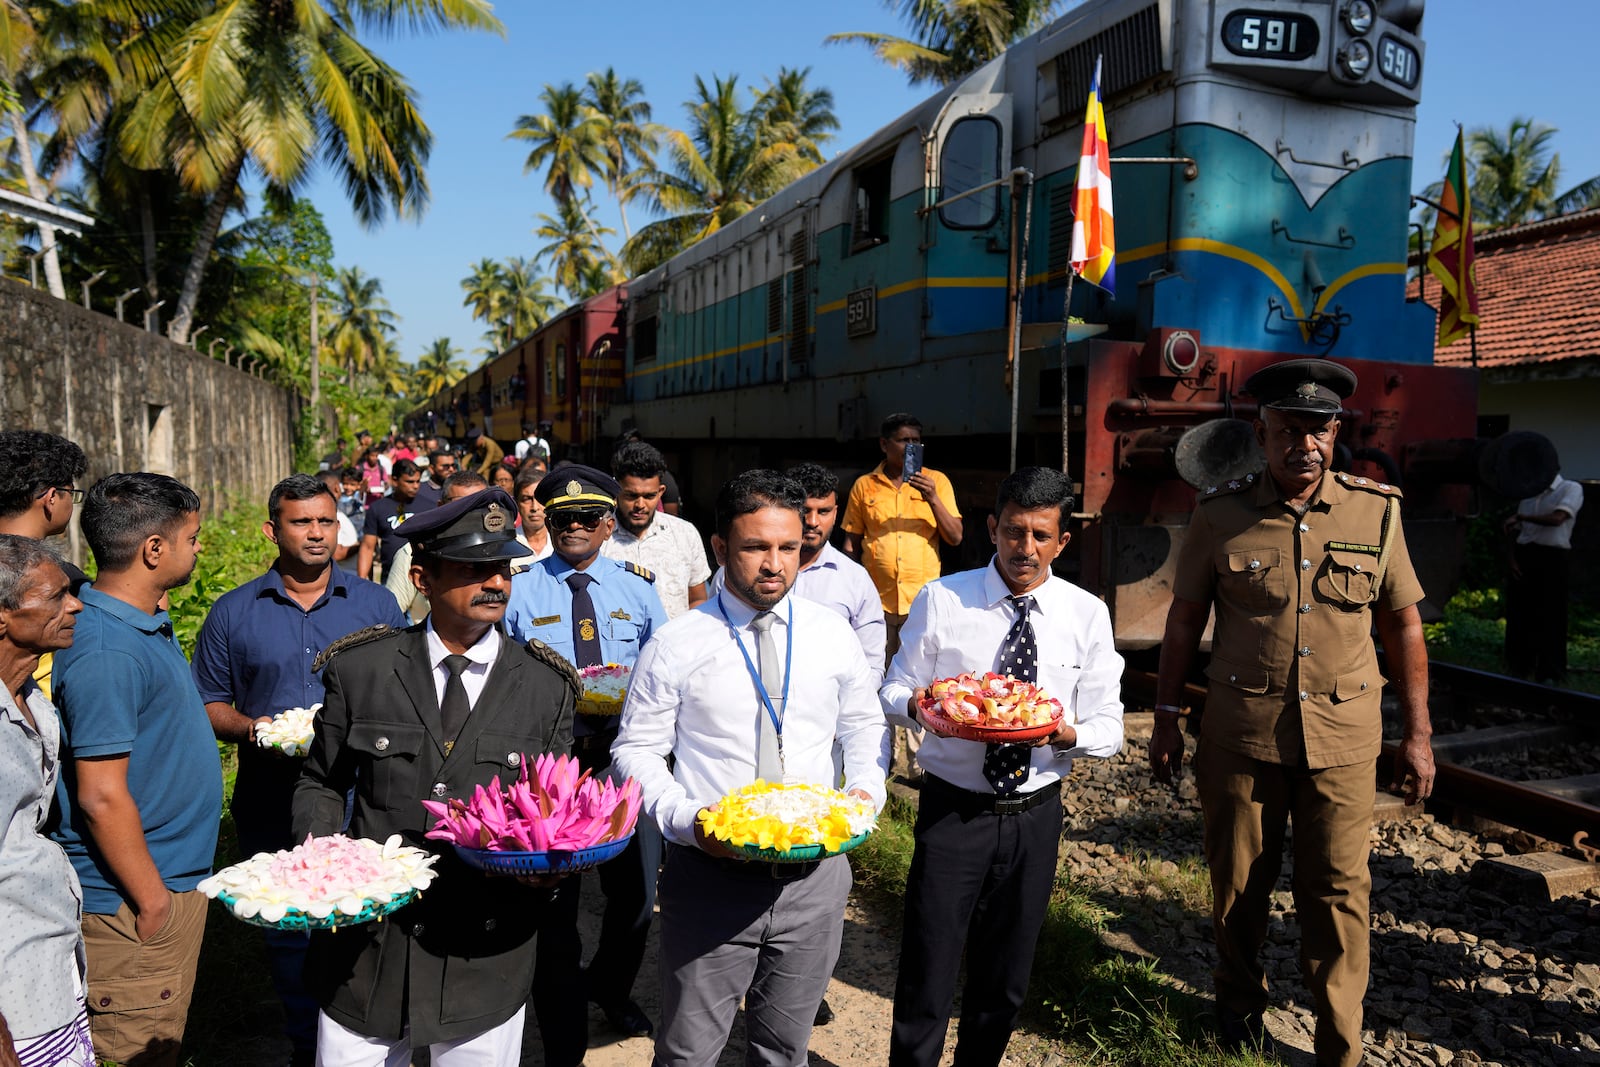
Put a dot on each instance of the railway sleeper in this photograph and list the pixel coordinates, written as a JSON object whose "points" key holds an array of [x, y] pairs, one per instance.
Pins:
{"points": [[1498, 740]]}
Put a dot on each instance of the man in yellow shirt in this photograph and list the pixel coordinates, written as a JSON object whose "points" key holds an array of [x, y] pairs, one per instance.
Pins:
{"points": [[893, 524]]}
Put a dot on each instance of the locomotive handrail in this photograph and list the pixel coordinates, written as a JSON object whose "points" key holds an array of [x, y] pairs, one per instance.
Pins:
{"points": [[1191, 166], [1345, 240], [1349, 162], [1019, 172]]}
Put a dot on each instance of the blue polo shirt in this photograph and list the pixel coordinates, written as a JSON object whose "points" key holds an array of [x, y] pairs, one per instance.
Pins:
{"points": [[255, 652], [124, 689]]}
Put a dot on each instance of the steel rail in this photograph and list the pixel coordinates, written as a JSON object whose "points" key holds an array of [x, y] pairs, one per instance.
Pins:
{"points": [[1516, 804]]}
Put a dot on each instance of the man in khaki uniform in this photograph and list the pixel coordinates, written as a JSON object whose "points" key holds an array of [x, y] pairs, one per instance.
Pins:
{"points": [[1299, 563]]}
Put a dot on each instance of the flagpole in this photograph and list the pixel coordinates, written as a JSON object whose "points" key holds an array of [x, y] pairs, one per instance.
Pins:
{"points": [[1472, 335], [1066, 406]]}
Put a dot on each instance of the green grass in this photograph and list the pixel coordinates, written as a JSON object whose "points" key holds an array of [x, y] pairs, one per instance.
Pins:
{"points": [[1108, 1009], [1473, 634]]}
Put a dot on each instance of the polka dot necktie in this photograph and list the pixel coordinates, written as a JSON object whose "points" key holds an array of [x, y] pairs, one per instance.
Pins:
{"points": [[1006, 766]]}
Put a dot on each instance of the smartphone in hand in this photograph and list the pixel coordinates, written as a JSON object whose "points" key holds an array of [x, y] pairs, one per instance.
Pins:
{"points": [[913, 461]]}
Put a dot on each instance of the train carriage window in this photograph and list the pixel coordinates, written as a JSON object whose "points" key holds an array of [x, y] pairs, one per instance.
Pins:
{"points": [[970, 158], [870, 227], [561, 369], [644, 340]]}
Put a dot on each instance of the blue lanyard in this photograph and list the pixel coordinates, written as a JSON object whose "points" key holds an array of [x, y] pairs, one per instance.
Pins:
{"points": [[755, 675]]}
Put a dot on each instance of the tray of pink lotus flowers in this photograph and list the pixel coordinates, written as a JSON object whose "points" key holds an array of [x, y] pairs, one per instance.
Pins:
{"points": [[555, 819]]}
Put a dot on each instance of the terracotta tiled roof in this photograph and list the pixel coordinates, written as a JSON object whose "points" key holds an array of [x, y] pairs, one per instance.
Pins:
{"points": [[1538, 294]]}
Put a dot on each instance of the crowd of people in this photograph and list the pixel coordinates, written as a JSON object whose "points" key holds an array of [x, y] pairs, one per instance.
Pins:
{"points": [[438, 604]]}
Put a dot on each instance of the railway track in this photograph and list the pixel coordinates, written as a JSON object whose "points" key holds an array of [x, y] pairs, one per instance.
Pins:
{"points": [[1475, 706]]}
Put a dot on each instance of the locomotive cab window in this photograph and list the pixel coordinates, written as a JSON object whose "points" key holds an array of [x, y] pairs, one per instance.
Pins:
{"points": [[970, 157], [870, 226]]}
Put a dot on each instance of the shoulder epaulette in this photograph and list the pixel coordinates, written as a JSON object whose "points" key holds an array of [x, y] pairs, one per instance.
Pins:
{"points": [[644, 572], [1232, 485], [360, 637], [556, 662], [1350, 481]]}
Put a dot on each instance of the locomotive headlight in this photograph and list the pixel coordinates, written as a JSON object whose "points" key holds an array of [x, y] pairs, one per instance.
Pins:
{"points": [[1359, 16], [1356, 59]]}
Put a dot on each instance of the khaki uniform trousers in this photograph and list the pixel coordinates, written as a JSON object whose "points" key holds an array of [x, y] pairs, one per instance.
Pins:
{"points": [[1247, 804]]}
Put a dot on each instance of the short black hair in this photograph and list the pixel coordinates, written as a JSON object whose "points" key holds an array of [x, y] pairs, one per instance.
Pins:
{"points": [[459, 478], [32, 461], [637, 460], [1036, 487], [440, 453], [527, 475], [18, 556], [816, 480], [349, 474], [330, 478], [891, 423], [404, 468], [753, 490], [123, 510], [295, 487]]}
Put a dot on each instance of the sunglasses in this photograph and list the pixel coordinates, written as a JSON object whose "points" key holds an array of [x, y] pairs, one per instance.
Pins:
{"points": [[588, 519]]}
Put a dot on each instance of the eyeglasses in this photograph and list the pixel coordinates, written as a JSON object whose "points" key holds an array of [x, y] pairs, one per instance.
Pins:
{"points": [[77, 495], [589, 520]]}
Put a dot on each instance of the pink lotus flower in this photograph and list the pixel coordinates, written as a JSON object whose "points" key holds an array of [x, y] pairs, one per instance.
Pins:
{"points": [[554, 806]]}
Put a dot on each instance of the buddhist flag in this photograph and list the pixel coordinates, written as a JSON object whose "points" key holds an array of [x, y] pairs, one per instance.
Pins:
{"points": [[1094, 245], [1450, 256]]}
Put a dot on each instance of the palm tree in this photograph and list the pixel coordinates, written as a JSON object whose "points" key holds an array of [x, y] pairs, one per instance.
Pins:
{"points": [[438, 368], [566, 142], [724, 164], [624, 131], [529, 303], [951, 38], [796, 114], [485, 291], [273, 86], [361, 323], [1514, 174], [23, 40], [574, 249]]}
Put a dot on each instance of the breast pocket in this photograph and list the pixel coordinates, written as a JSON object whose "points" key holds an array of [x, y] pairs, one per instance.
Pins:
{"points": [[1061, 682], [1348, 580], [624, 631], [504, 754], [1253, 580], [389, 753]]}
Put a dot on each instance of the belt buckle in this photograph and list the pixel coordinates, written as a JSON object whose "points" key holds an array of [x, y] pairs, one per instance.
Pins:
{"points": [[1011, 805]]}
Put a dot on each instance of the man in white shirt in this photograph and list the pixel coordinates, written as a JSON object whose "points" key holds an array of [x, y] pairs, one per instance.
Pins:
{"points": [[534, 530], [1536, 598], [989, 822], [712, 693], [664, 544]]}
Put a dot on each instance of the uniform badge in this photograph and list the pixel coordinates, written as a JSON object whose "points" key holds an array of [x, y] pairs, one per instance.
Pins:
{"points": [[574, 488], [586, 630], [494, 519], [623, 615], [1307, 390], [546, 620]]}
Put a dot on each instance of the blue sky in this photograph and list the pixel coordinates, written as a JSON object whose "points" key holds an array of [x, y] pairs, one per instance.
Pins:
{"points": [[1486, 62]]}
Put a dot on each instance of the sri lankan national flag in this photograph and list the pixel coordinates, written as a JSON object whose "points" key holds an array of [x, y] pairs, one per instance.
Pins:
{"points": [[1450, 256]]}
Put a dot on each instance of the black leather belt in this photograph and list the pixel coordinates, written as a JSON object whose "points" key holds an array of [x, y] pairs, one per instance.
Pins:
{"points": [[967, 800], [753, 869]]}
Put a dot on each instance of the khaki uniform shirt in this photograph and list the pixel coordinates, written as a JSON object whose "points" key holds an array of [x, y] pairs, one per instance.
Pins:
{"points": [[1293, 669]]}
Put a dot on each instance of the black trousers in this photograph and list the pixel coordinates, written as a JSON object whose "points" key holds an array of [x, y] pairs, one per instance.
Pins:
{"points": [[1536, 614], [989, 876]]}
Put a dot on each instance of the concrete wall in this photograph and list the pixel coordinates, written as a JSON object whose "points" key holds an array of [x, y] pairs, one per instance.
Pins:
{"points": [[1565, 410], [135, 401]]}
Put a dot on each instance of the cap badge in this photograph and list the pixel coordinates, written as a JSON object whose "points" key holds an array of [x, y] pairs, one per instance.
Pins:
{"points": [[574, 488], [1307, 390], [494, 520]]}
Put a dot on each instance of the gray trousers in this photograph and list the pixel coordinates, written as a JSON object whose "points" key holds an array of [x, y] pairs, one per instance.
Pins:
{"points": [[731, 930]]}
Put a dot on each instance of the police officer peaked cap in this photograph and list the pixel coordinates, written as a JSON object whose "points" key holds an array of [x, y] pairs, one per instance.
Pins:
{"points": [[577, 486], [472, 529], [1305, 386]]}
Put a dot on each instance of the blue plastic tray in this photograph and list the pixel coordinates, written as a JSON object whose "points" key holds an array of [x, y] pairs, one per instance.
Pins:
{"points": [[299, 920], [801, 854], [554, 862]]}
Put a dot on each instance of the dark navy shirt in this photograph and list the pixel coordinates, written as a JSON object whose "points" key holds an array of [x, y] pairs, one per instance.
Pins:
{"points": [[255, 652]]}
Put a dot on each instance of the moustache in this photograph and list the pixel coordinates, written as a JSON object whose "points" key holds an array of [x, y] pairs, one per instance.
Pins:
{"points": [[490, 597]]}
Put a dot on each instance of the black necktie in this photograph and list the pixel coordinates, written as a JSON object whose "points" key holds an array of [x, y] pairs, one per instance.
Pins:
{"points": [[585, 630], [454, 708], [1005, 767]]}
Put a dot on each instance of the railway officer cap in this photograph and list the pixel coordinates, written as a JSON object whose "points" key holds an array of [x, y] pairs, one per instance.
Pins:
{"points": [[1303, 386], [474, 529], [576, 487]]}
